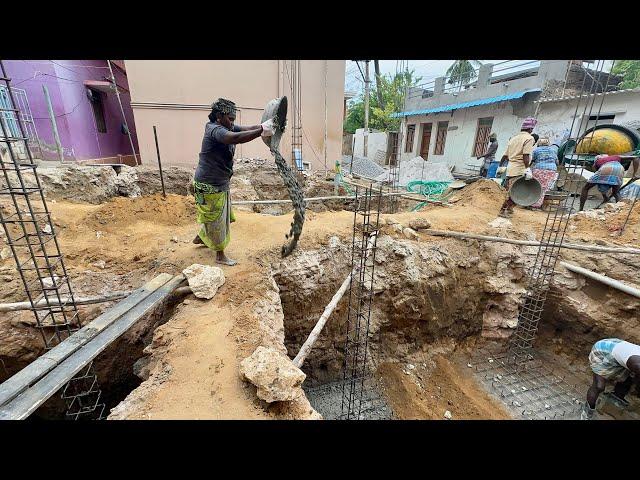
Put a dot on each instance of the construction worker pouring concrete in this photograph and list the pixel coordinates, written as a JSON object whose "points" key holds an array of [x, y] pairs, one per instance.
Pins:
{"points": [[612, 360], [212, 177], [518, 156]]}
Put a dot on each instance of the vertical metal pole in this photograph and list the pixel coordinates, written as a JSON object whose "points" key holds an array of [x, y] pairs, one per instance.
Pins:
{"points": [[155, 135], [124, 118], [326, 68], [366, 107], [54, 125]]}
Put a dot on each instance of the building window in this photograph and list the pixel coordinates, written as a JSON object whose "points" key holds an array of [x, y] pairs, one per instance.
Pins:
{"points": [[408, 146], [482, 136], [441, 137], [95, 98]]}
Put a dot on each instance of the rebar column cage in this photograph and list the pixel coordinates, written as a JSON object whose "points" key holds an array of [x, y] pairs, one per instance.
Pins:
{"points": [[363, 252], [561, 206], [30, 234]]}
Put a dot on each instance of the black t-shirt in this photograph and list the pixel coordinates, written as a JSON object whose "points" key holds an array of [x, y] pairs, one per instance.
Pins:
{"points": [[215, 165]]}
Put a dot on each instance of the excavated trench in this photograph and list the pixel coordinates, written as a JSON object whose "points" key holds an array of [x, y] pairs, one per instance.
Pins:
{"points": [[433, 303], [427, 298], [120, 368]]}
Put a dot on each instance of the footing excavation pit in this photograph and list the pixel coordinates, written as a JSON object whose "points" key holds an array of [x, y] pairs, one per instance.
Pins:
{"points": [[429, 299], [441, 317]]}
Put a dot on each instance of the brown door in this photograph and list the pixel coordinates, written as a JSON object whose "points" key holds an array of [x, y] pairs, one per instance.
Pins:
{"points": [[426, 140]]}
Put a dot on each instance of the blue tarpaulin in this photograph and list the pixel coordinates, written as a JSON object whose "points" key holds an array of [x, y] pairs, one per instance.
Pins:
{"points": [[473, 103]]}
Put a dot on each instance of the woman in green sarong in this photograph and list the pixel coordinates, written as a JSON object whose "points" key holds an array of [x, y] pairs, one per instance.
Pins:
{"points": [[213, 175]]}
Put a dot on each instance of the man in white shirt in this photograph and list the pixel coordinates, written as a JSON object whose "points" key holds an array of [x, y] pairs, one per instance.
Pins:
{"points": [[612, 360]]}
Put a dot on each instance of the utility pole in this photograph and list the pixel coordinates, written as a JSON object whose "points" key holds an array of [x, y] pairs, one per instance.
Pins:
{"points": [[366, 105], [54, 125]]}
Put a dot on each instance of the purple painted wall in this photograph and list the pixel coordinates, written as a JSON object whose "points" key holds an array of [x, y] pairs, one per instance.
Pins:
{"points": [[72, 108]]}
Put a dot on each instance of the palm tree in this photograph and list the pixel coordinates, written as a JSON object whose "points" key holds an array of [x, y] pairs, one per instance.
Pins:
{"points": [[461, 72]]}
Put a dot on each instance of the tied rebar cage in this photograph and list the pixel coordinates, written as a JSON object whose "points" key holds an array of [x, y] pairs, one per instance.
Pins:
{"points": [[561, 207], [363, 252], [30, 235]]}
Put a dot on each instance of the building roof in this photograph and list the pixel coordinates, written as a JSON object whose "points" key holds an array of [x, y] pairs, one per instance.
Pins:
{"points": [[572, 97], [472, 103]]}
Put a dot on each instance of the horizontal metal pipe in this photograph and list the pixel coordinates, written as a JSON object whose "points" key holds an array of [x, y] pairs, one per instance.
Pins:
{"points": [[316, 199], [11, 307], [623, 287], [571, 246]]}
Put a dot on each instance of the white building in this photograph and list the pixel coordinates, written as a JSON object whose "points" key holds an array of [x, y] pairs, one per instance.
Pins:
{"points": [[454, 127]]}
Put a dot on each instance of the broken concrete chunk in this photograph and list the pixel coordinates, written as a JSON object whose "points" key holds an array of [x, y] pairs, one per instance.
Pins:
{"points": [[5, 253], [420, 224], [447, 415], [47, 229], [127, 182], [274, 374], [500, 223], [334, 242], [204, 280], [397, 227], [174, 239], [49, 282], [410, 233]]}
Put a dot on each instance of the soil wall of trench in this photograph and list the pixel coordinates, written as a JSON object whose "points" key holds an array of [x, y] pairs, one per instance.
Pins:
{"points": [[425, 292]]}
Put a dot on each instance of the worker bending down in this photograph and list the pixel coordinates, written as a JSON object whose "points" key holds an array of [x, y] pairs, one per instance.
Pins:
{"points": [[615, 361]]}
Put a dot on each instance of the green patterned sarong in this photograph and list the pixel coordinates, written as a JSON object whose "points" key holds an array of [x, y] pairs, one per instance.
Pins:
{"points": [[214, 213]]}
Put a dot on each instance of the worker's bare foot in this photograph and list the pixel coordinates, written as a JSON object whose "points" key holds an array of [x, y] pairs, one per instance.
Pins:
{"points": [[198, 240], [224, 260]]}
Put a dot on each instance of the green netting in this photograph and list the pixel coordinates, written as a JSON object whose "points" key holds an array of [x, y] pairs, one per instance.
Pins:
{"points": [[430, 190]]}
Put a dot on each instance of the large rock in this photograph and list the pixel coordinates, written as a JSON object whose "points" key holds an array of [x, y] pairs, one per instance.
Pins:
{"points": [[420, 224], [204, 280], [274, 374]]}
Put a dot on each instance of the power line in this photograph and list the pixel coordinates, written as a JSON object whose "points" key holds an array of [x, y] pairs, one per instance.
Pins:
{"points": [[364, 79], [62, 114]]}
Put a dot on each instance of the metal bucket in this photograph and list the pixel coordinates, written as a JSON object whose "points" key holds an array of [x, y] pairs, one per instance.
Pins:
{"points": [[525, 192], [276, 109]]}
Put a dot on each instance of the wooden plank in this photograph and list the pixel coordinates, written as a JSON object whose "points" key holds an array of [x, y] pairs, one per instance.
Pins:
{"points": [[28, 401], [19, 382]]}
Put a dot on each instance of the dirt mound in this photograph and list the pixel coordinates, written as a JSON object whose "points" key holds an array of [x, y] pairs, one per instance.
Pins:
{"points": [[607, 222], [119, 212], [483, 193]]}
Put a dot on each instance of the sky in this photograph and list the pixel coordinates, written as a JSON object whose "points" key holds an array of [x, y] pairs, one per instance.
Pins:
{"points": [[427, 69]]}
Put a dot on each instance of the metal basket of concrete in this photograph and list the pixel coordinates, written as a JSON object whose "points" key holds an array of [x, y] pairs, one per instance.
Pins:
{"points": [[275, 110], [525, 192]]}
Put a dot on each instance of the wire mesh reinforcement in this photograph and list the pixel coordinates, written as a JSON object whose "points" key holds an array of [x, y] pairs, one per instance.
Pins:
{"points": [[326, 399], [529, 391], [365, 233], [30, 235]]}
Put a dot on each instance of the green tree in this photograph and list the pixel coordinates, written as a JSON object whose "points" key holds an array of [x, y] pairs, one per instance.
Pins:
{"points": [[630, 71], [461, 72], [391, 90]]}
